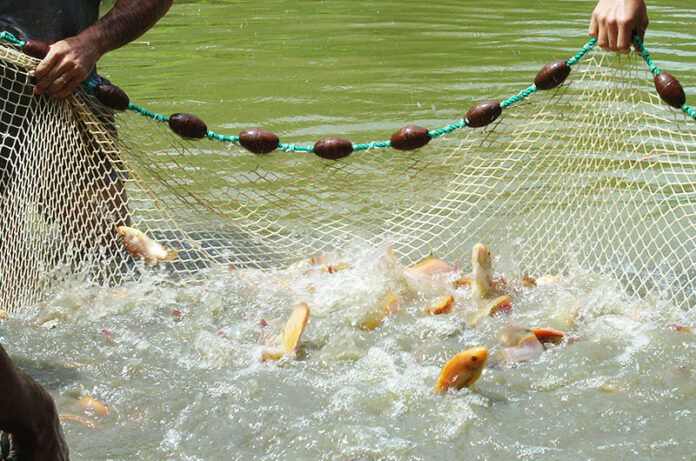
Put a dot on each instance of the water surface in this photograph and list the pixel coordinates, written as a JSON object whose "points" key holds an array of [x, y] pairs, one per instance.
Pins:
{"points": [[191, 385]]}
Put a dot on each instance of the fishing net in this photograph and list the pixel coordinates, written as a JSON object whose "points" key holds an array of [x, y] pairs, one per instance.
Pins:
{"points": [[596, 174]]}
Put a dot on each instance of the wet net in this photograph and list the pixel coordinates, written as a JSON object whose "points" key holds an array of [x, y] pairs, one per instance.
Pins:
{"points": [[596, 174]]}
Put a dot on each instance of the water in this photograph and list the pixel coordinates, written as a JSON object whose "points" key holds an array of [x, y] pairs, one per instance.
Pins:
{"points": [[193, 386]]}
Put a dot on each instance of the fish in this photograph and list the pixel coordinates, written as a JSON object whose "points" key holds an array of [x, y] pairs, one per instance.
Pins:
{"points": [[548, 335], [462, 370], [425, 275], [482, 279], [295, 327], [386, 307], [78, 419], [429, 268], [93, 406], [498, 305], [520, 345], [292, 332], [443, 305], [140, 246]]}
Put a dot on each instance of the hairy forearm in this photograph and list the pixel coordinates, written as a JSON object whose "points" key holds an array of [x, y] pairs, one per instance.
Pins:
{"points": [[126, 21], [70, 60]]}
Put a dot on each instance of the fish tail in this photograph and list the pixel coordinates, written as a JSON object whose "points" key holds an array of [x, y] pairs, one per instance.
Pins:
{"points": [[171, 255]]}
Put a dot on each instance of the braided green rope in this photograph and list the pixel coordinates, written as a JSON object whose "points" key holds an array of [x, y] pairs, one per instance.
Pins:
{"points": [[518, 97], [144, 112], [289, 147], [8, 37], [645, 54], [447, 129], [587, 47]]}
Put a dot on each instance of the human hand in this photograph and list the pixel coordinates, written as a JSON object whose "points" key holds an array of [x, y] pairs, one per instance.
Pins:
{"points": [[66, 65], [614, 22]]}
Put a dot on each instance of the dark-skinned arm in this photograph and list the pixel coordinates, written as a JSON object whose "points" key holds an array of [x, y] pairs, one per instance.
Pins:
{"points": [[28, 412], [69, 61]]}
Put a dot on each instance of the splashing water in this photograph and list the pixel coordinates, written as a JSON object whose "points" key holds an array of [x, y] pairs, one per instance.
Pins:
{"points": [[178, 364]]}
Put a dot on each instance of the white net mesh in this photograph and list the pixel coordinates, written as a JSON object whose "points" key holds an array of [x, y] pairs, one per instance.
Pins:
{"points": [[597, 174]]}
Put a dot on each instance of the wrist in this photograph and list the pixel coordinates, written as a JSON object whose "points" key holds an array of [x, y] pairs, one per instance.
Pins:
{"points": [[92, 42]]}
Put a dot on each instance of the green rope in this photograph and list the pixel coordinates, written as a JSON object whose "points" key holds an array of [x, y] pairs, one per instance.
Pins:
{"points": [[519, 96], [689, 111], [371, 145], [645, 54], [219, 137], [289, 147], [211, 135], [146, 113], [294, 148], [447, 129], [653, 68], [588, 46], [8, 37]]}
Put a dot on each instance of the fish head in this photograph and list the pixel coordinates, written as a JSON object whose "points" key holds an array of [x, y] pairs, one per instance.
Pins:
{"points": [[481, 256], [462, 370], [475, 358]]}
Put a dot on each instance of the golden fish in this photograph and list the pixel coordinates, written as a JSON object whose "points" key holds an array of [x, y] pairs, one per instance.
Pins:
{"points": [[78, 419], [498, 305], [462, 370], [290, 337], [443, 305], [140, 246], [93, 406], [386, 307], [548, 335], [295, 327], [520, 345], [429, 268], [482, 283]]}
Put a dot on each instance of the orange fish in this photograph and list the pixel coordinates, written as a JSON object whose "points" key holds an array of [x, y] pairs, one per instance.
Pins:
{"points": [[498, 305], [387, 306], [443, 305], [462, 370], [290, 337], [93, 406], [548, 335], [429, 268], [140, 246]]}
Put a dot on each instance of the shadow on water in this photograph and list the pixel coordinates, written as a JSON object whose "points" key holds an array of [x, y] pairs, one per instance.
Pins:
{"points": [[52, 376]]}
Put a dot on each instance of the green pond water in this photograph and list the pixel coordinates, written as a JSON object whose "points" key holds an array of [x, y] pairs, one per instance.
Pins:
{"points": [[191, 386]]}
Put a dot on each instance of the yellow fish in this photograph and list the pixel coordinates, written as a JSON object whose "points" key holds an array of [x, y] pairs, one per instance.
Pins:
{"points": [[462, 370], [140, 246], [482, 283], [443, 305], [387, 306], [498, 305], [93, 406], [290, 337]]}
